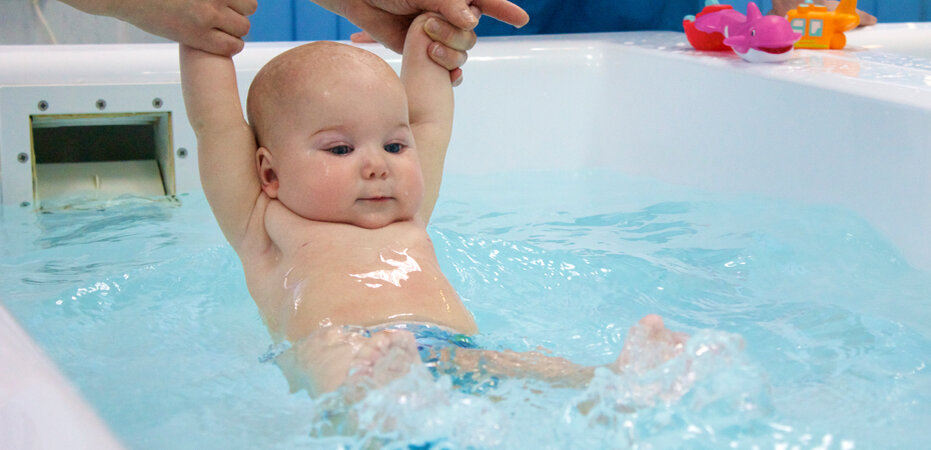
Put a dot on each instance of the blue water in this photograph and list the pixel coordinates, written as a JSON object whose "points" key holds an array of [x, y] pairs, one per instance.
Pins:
{"points": [[809, 329]]}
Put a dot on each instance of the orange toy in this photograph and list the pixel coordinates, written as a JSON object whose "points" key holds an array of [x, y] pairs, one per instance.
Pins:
{"points": [[821, 28]]}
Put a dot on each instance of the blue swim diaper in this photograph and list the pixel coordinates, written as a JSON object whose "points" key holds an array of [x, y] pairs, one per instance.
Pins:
{"points": [[431, 341], [429, 337]]}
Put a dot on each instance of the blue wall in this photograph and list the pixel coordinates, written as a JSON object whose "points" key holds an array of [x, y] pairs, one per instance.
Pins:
{"points": [[297, 20], [302, 20]]}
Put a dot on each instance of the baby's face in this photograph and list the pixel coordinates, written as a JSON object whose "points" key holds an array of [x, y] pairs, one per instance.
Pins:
{"points": [[344, 152]]}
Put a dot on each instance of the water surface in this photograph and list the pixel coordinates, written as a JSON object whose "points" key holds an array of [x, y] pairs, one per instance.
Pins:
{"points": [[809, 328]]}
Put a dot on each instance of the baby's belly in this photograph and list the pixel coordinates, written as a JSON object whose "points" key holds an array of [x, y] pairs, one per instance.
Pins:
{"points": [[399, 288]]}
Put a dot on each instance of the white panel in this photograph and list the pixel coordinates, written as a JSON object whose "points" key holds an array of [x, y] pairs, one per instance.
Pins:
{"points": [[18, 103]]}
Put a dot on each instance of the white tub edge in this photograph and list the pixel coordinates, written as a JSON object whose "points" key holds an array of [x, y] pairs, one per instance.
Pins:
{"points": [[39, 409]]}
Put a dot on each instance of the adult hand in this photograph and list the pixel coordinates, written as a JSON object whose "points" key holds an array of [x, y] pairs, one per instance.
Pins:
{"points": [[387, 21], [451, 55], [215, 26]]}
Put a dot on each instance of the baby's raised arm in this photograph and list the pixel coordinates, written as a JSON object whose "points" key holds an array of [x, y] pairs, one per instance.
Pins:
{"points": [[225, 142], [430, 101]]}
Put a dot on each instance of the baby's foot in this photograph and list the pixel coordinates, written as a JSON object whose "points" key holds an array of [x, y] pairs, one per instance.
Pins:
{"points": [[648, 345]]}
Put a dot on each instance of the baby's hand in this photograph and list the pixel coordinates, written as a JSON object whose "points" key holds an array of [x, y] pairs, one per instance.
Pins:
{"points": [[648, 345]]}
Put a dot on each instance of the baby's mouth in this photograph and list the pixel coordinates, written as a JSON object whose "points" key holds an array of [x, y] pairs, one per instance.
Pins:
{"points": [[376, 199]]}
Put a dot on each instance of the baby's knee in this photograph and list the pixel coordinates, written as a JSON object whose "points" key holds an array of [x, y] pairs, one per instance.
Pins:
{"points": [[652, 321], [387, 339]]}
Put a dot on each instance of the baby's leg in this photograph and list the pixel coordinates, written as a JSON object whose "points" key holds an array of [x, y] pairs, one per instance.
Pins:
{"points": [[481, 363], [333, 356], [648, 344]]}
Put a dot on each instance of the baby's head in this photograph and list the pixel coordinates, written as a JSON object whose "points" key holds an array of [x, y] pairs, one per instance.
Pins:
{"points": [[334, 137]]}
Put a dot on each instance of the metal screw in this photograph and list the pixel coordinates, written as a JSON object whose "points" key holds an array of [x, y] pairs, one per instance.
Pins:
{"points": [[22, 157], [182, 152], [43, 105], [157, 103], [101, 104]]}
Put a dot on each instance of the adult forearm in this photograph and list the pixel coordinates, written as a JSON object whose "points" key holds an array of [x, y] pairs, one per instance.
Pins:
{"points": [[334, 6], [215, 26], [96, 7]]}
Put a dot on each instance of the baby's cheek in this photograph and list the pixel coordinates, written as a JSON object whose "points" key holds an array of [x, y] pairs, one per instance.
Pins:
{"points": [[414, 175], [413, 188], [325, 195]]}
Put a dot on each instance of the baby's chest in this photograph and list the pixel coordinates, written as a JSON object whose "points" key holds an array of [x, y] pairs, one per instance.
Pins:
{"points": [[339, 272], [341, 248]]}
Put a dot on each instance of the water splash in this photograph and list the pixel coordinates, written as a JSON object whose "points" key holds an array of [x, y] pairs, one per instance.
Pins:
{"points": [[709, 394]]}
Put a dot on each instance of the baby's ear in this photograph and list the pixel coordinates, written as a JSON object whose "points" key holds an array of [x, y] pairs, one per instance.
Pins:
{"points": [[264, 164]]}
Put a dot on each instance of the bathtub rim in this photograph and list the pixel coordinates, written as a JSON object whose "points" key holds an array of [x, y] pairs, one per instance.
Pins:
{"points": [[28, 378]]}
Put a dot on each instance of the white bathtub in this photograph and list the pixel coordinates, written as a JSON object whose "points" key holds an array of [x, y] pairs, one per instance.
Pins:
{"points": [[912, 39], [848, 127]]}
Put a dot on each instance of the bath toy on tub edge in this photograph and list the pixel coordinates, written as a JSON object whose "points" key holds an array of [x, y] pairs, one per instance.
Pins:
{"points": [[821, 28], [711, 42], [755, 37]]}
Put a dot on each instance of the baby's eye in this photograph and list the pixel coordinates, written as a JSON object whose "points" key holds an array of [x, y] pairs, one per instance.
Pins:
{"points": [[340, 149], [393, 148]]}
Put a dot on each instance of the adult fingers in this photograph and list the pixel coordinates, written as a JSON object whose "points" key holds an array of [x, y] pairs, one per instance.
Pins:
{"points": [[218, 42], [452, 37], [446, 57], [233, 23], [504, 11], [244, 7], [457, 12], [362, 37]]}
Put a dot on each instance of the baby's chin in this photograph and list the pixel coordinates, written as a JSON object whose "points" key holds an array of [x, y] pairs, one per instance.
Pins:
{"points": [[367, 222], [374, 223]]}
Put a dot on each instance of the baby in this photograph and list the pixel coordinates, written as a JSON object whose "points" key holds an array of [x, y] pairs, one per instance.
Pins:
{"points": [[325, 195]]}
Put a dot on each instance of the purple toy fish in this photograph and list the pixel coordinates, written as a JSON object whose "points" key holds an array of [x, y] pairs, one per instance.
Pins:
{"points": [[755, 37]]}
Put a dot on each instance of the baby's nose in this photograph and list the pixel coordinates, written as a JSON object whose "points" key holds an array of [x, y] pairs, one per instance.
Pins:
{"points": [[375, 166]]}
